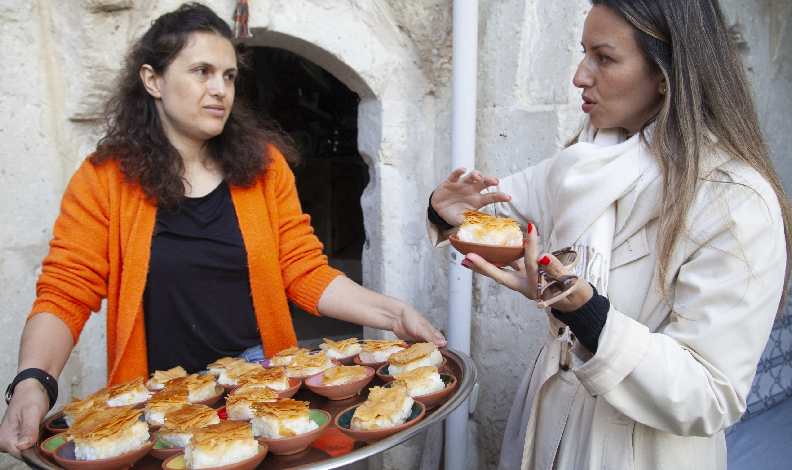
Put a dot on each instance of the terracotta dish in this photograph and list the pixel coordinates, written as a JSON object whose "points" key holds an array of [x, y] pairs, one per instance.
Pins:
{"points": [[159, 451], [338, 392], [177, 462], [344, 419], [64, 455], [56, 424], [292, 445], [212, 400], [431, 400], [48, 446], [294, 386], [499, 256]]}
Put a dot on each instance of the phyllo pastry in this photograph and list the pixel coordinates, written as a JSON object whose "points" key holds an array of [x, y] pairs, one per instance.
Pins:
{"points": [[74, 410], [274, 378], [284, 418], [385, 408], [182, 420], [129, 393], [224, 363], [161, 402], [307, 364], [417, 355], [339, 375], [238, 405], [480, 227], [340, 349], [159, 377], [420, 381], [108, 433], [221, 444], [379, 350], [201, 386], [287, 356], [231, 376]]}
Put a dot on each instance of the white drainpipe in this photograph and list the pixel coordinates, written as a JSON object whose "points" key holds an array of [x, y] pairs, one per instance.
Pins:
{"points": [[464, 61]]}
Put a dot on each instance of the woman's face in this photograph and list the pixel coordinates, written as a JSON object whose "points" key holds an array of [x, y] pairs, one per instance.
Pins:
{"points": [[195, 94], [619, 87]]}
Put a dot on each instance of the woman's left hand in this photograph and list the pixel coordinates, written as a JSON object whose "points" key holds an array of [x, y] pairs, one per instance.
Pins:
{"points": [[524, 278]]}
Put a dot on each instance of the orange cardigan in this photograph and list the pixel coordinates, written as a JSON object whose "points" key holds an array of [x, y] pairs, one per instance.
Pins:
{"points": [[102, 243]]}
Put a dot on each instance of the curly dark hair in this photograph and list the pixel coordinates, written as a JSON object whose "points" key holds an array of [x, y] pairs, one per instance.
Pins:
{"points": [[134, 136]]}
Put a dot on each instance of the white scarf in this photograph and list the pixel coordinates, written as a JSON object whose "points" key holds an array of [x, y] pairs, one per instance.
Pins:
{"points": [[603, 190]]}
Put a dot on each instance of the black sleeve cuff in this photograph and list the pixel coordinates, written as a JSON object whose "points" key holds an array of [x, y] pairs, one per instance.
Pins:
{"points": [[588, 321], [434, 217]]}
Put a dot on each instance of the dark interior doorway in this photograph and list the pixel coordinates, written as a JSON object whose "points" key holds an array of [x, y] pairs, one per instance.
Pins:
{"points": [[320, 113]]}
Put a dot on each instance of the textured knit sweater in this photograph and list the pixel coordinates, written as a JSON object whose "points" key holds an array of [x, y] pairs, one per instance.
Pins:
{"points": [[102, 243]]}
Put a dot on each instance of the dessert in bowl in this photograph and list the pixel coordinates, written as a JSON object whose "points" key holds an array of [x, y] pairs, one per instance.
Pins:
{"points": [[498, 240], [111, 438], [180, 423], [203, 388], [285, 357], [340, 382], [229, 378], [225, 444], [385, 412], [239, 406], [128, 393], [274, 378], [374, 353], [161, 402], [159, 377], [342, 351], [288, 426], [306, 365], [425, 385], [217, 367]]}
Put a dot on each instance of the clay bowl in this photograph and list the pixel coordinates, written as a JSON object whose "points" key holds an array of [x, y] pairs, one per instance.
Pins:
{"points": [[160, 452], [219, 391], [154, 427], [64, 455], [228, 389], [303, 378], [49, 445], [344, 420], [56, 424], [431, 400], [346, 361], [386, 376], [292, 445], [266, 362], [373, 365], [222, 413], [177, 462], [499, 256], [338, 392]]}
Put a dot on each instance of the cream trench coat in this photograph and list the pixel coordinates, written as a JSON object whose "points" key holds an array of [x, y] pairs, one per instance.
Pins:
{"points": [[663, 385]]}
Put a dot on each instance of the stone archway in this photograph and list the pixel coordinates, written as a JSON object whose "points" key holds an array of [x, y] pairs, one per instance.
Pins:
{"points": [[371, 56]]}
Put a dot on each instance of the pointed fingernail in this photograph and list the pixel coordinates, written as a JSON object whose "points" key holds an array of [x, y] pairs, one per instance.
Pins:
{"points": [[529, 229], [545, 260], [466, 266]]}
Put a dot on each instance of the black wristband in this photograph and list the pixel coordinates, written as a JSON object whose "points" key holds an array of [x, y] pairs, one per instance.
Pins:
{"points": [[48, 381], [434, 217], [588, 321]]}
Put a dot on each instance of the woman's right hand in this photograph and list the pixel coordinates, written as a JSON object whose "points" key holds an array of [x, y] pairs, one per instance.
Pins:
{"points": [[456, 194], [20, 426]]}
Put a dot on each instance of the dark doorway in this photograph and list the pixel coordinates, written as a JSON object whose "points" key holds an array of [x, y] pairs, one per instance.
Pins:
{"points": [[320, 113]]}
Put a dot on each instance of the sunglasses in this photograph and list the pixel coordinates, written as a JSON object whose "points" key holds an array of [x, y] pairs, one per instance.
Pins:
{"points": [[552, 289]]}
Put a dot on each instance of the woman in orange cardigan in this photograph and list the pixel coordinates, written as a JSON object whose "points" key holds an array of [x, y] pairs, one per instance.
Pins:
{"points": [[187, 221]]}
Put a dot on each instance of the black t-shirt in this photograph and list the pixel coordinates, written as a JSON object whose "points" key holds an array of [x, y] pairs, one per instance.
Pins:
{"points": [[197, 304]]}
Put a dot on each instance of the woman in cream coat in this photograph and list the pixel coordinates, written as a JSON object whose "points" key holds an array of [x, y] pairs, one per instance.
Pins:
{"points": [[680, 222]]}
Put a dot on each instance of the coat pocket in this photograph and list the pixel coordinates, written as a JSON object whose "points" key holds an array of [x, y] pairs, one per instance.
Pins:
{"points": [[617, 446], [634, 248]]}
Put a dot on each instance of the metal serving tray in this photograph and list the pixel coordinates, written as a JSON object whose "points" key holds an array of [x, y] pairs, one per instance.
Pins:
{"points": [[458, 365]]}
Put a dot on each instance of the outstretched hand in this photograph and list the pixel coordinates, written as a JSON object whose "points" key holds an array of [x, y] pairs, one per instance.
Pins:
{"points": [[20, 426], [412, 326], [456, 194], [524, 275]]}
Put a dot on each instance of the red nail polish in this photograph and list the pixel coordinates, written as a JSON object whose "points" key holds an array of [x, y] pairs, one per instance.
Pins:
{"points": [[530, 228], [523, 242], [468, 259], [544, 261], [466, 266]]}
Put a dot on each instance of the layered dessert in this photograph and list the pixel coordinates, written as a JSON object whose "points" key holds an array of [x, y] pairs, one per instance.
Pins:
{"points": [[159, 377], [385, 408], [108, 433], [340, 349], [285, 357], [181, 421], [200, 386], [274, 378], [339, 375], [420, 381], [221, 444], [417, 355], [379, 350], [162, 401], [284, 418], [480, 227], [232, 375], [224, 363], [307, 364], [129, 393], [239, 405]]}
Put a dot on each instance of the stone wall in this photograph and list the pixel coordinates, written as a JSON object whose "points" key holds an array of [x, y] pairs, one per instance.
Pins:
{"points": [[396, 54]]}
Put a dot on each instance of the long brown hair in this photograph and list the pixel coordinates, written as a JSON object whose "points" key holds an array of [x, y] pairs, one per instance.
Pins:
{"points": [[707, 93], [134, 136]]}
